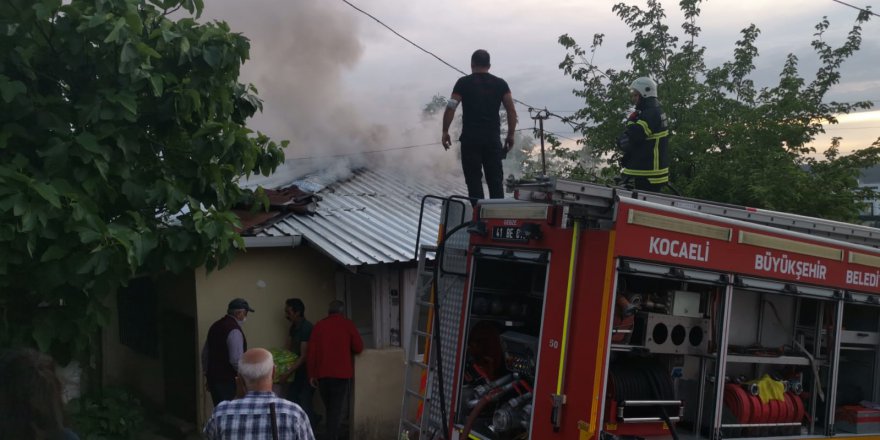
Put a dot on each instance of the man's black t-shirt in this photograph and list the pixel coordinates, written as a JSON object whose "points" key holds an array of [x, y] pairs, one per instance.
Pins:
{"points": [[481, 95], [299, 334]]}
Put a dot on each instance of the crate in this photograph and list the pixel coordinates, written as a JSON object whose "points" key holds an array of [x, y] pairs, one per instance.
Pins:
{"points": [[857, 419]]}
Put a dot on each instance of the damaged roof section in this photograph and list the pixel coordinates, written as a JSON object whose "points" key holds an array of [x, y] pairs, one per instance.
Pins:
{"points": [[369, 217], [281, 201]]}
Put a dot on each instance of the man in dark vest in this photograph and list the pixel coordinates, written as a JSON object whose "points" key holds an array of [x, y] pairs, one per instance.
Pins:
{"points": [[223, 348]]}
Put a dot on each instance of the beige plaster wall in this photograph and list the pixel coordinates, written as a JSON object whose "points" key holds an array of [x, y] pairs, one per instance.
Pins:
{"points": [[126, 367], [378, 393], [265, 277]]}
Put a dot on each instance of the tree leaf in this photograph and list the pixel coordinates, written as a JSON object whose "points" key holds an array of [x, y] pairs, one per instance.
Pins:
{"points": [[211, 55], [43, 333], [157, 85], [184, 45], [10, 89], [53, 253], [113, 36], [134, 22], [169, 35], [127, 101], [128, 58], [48, 193], [148, 51]]}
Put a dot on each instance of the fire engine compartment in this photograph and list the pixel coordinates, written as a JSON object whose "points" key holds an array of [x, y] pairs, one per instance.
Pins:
{"points": [[662, 327], [676, 331], [502, 326]]}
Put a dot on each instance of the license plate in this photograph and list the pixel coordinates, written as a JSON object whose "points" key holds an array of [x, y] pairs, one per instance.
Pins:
{"points": [[508, 233]]}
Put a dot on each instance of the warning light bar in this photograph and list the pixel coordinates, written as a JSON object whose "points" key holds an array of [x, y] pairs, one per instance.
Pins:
{"points": [[864, 259], [784, 244], [526, 211], [666, 223]]}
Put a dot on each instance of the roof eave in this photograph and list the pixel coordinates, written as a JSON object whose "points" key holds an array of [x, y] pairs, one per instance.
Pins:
{"points": [[288, 241]]}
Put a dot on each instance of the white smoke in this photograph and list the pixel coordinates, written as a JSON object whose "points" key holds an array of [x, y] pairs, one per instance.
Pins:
{"points": [[300, 53]]}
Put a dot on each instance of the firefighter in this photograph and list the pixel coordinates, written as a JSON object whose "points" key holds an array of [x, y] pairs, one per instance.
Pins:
{"points": [[644, 144]]}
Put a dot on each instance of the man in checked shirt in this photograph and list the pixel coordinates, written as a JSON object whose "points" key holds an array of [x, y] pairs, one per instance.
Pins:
{"points": [[259, 415]]}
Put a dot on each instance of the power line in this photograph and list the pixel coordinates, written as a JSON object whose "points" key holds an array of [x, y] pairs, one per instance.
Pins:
{"points": [[367, 152], [435, 56], [407, 147], [854, 7], [560, 136], [404, 38], [834, 127]]}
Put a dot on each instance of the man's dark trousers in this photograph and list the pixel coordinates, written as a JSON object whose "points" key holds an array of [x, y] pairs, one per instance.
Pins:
{"points": [[221, 391], [334, 393], [302, 393], [476, 157]]}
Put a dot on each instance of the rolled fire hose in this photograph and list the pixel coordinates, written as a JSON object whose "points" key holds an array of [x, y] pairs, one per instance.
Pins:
{"points": [[490, 397]]}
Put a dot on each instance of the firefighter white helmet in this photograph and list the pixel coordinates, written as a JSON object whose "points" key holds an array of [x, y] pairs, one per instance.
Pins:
{"points": [[645, 86]]}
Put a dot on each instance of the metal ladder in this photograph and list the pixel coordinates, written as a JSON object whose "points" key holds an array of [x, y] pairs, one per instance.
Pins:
{"points": [[419, 366], [599, 201]]}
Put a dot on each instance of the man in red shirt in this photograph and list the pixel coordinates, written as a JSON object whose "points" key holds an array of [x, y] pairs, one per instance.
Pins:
{"points": [[330, 360]]}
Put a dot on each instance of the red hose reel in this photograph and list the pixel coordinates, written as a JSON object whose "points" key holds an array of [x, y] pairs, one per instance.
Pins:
{"points": [[748, 408]]}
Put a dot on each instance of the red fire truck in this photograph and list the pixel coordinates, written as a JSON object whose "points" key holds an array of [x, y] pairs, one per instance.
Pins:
{"points": [[580, 311]]}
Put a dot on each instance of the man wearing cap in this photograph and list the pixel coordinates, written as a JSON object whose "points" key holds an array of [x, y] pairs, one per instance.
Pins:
{"points": [[223, 349]]}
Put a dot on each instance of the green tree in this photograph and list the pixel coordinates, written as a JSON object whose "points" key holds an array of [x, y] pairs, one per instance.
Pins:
{"points": [[732, 141], [122, 138]]}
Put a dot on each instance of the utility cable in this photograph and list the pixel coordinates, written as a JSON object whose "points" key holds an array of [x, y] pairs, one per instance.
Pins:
{"points": [[404, 38], [835, 127], [407, 147], [529, 106], [854, 7], [434, 55], [366, 152]]}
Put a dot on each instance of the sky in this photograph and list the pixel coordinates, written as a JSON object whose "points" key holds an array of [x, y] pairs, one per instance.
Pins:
{"points": [[335, 82]]}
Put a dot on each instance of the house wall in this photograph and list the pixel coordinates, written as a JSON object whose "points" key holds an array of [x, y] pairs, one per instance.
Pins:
{"points": [[123, 366], [265, 277], [409, 288], [378, 390], [126, 367]]}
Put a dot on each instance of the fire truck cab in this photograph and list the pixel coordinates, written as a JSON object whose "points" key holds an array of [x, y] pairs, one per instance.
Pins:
{"points": [[580, 311]]}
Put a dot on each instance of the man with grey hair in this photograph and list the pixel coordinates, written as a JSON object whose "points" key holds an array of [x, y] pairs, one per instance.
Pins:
{"points": [[223, 349], [334, 341], [259, 415]]}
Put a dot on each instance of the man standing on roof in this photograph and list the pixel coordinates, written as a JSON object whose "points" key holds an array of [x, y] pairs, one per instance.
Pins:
{"points": [[223, 349], [481, 95], [644, 144]]}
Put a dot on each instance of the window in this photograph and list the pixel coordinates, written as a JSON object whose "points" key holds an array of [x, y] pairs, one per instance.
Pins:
{"points": [[137, 306]]}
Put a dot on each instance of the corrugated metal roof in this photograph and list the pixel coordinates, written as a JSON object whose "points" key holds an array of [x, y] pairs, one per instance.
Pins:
{"points": [[371, 217]]}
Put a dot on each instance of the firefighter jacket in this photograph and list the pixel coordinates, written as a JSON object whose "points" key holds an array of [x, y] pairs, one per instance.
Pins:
{"points": [[645, 143]]}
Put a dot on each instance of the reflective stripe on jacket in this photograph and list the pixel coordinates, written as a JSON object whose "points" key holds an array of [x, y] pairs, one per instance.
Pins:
{"points": [[648, 133]]}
